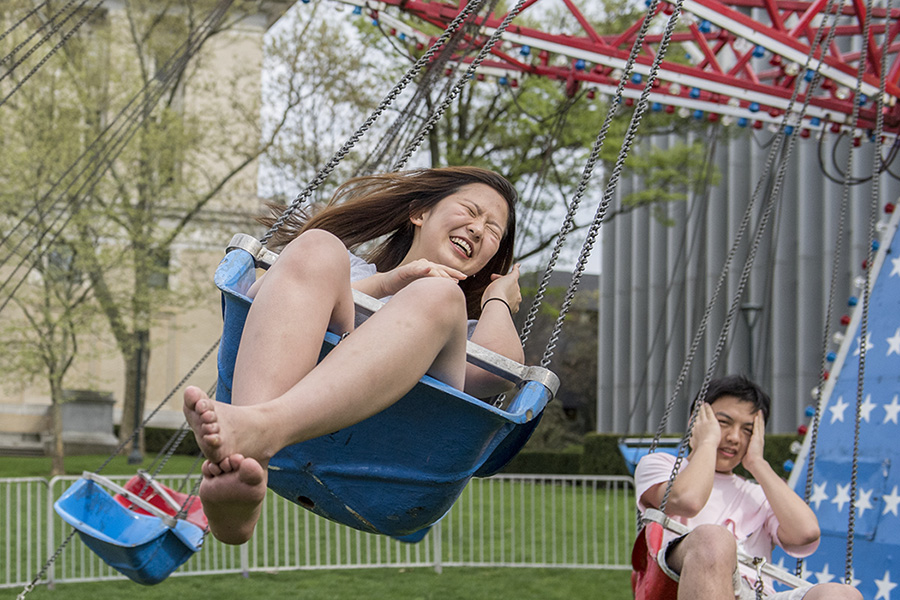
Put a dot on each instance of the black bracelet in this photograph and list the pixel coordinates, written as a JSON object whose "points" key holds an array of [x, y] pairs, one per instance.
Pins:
{"points": [[508, 307]]}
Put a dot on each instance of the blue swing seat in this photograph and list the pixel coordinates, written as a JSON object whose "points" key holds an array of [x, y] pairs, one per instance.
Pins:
{"points": [[399, 471], [145, 548]]}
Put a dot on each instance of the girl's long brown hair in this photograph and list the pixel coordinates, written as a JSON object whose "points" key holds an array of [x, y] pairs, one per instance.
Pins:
{"points": [[375, 206]]}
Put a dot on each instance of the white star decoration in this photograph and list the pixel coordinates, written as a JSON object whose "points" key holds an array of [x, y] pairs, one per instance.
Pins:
{"points": [[818, 494], [837, 411], [869, 344], [891, 502], [842, 496], [885, 586], [894, 343], [865, 409], [864, 502], [824, 576], [891, 411], [896, 269]]}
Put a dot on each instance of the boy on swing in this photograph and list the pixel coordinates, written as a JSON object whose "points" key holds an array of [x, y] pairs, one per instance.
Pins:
{"points": [[724, 511]]}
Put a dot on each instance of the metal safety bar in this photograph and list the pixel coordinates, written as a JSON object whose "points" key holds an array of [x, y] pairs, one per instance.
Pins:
{"points": [[366, 305]]}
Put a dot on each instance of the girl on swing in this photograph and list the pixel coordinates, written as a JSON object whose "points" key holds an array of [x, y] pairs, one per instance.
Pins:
{"points": [[443, 257]]}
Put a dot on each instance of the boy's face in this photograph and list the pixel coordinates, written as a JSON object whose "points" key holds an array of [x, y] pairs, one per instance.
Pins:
{"points": [[736, 421]]}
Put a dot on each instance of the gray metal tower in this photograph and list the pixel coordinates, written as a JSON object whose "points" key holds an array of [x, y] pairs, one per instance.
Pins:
{"points": [[656, 281]]}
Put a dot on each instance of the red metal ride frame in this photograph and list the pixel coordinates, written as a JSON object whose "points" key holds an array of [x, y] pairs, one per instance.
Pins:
{"points": [[740, 58]]}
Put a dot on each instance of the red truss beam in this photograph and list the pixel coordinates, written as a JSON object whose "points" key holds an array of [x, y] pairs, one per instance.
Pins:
{"points": [[738, 59]]}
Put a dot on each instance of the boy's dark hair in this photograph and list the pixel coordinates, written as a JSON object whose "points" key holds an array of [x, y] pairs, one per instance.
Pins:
{"points": [[741, 388]]}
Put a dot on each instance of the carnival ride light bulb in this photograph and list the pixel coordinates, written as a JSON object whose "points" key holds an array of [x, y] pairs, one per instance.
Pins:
{"points": [[791, 69], [842, 93]]}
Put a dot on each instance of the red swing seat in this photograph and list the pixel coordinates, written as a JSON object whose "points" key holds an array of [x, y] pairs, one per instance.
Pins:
{"points": [[166, 499], [648, 580]]}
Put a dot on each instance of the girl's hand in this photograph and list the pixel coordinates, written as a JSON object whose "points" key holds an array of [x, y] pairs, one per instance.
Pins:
{"points": [[396, 279], [706, 431], [505, 287]]}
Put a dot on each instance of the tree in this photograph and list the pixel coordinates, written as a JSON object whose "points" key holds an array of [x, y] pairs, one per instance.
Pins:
{"points": [[125, 212]]}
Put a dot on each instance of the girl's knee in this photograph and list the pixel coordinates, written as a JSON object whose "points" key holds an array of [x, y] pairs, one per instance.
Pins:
{"points": [[438, 297], [316, 251], [713, 545]]}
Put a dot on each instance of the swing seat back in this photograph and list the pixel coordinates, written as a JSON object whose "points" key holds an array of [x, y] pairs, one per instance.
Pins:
{"points": [[156, 493], [399, 471], [144, 548], [648, 580]]}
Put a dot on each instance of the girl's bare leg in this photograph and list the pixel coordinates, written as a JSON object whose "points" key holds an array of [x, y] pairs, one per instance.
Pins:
{"points": [[366, 373], [304, 293]]}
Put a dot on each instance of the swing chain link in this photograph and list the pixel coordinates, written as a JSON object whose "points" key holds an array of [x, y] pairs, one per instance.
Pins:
{"points": [[864, 322], [463, 80], [759, 586], [774, 191], [43, 572], [569, 220], [344, 150], [832, 288], [772, 200]]}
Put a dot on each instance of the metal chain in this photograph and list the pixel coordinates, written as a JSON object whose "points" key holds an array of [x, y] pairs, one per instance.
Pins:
{"points": [[25, 18], [41, 41], [832, 290], [323, 174], [745, 275], [106, 153], [460, 83], [175, 389], [174, 442], [386, 144], [49, 54], [43, 572], [569, 221], [613, 181], [774, 196], [133, 437], [759, 586], [774, 150], [864, 324]]}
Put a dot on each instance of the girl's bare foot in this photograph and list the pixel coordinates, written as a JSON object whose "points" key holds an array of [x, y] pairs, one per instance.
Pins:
{"points": [[202, 416], [232, 493]]}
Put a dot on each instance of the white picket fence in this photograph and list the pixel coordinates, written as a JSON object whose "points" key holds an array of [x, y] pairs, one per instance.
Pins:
{"points": [[506, 520]]}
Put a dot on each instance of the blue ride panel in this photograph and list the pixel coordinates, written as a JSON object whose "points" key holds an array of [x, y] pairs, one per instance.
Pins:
{"points": [[397, 472], [143, 548], [876, 543], [634, 449]]}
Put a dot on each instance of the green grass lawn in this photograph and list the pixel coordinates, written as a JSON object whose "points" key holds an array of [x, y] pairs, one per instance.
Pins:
{"points": [[387, 582], [371, 584], [18, 466]]}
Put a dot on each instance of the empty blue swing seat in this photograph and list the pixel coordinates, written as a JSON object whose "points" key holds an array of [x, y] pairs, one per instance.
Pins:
{"points": [[399, 471], [144, 548]]}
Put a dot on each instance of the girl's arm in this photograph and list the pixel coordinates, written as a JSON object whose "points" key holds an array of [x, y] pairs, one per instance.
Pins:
{"points": [[496, 331], [798, 525], [692, 487], [380, 285]]}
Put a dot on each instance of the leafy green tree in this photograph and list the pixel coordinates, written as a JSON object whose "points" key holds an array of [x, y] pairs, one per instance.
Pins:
{"points": [[183, 169]]}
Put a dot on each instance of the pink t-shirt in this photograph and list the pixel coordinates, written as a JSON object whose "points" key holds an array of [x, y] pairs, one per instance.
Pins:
{"points": [[735, 503]]}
